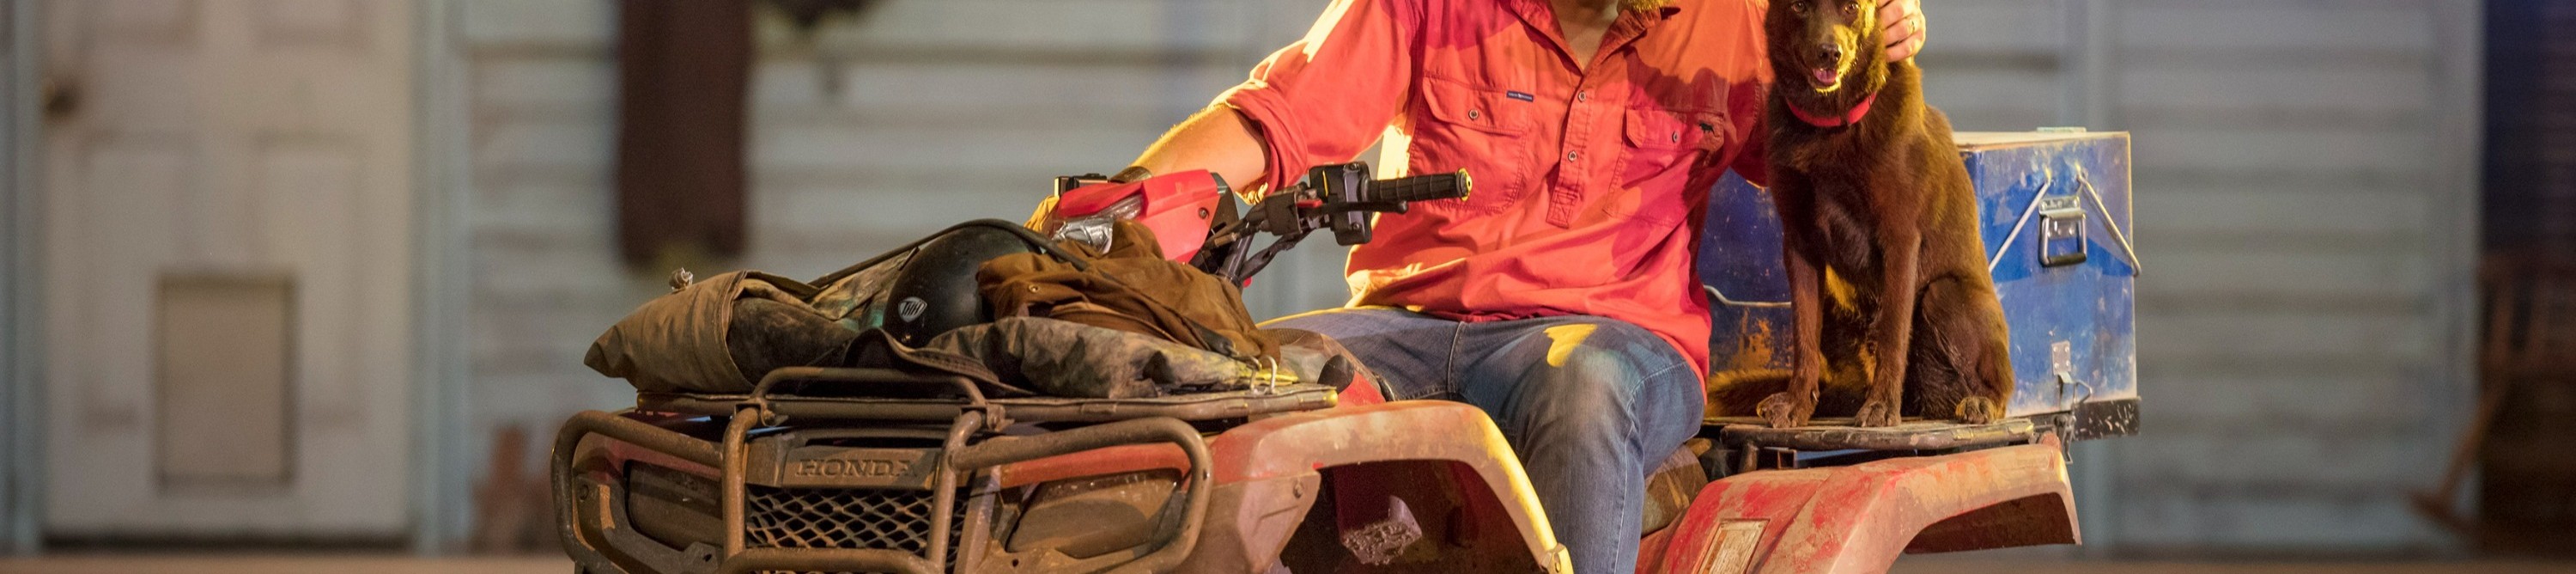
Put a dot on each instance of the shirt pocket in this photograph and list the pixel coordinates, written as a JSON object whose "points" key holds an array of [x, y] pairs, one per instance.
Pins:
{"points": [[1485, 131], [1662, 146]]}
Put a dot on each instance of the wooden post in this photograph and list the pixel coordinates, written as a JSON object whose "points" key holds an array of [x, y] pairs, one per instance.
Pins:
{"points": [[684, 71]]}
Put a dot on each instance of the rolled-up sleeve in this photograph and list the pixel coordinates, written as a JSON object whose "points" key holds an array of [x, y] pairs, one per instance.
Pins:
{"points": [[1327, 97]]}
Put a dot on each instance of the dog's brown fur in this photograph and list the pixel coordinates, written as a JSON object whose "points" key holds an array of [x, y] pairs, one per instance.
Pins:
{"points": [[1879, 221]]}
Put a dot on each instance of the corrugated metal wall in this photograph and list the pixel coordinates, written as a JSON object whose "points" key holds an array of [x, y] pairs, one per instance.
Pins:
{"points": [[2301, 170], [17, 378], [2305, 211]]}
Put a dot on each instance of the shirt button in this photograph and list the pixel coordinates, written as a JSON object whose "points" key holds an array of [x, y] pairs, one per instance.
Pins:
{"points": [[1573, 155], [1677, 137], [1473, 114], [1581, 96]]}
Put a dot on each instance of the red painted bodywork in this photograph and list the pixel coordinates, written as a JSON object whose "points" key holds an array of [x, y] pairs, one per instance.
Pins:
{"points": [[1177, 206], [1113, 460], [1859, 518], [1295, 447], [1362, 392]]}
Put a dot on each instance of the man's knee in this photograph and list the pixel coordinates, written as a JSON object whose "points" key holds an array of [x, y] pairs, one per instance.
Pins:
{"points": [[1593, 374], [1609, 353], [1593, 370], [1616, 381]]}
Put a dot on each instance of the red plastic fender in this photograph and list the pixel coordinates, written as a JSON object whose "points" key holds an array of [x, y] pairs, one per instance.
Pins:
{"points": [[1857, 519], [1300, 443]]}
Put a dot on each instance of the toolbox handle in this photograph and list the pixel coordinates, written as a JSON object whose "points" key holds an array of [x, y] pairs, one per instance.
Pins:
{"points": [[2061, 234]]}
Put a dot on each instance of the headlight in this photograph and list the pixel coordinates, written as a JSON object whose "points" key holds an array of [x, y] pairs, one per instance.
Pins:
{"points": [[1091, 516], [1094, 229], [672, 507]]}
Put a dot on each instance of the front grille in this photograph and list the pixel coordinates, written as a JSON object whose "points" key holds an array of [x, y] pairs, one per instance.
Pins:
{"points": [[845, 518]]}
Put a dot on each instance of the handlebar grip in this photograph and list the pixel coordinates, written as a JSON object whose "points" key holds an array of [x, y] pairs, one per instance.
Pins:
{"points": [[1420, 187]]}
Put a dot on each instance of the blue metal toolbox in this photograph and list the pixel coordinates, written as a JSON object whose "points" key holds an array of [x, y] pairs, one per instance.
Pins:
{"points": [[2055, 213]]}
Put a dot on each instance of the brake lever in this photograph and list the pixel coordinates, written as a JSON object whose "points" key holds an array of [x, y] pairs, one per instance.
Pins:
{"points": [[1280, 214]]}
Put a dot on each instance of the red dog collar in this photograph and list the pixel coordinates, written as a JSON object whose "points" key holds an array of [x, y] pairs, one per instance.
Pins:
{"points": [[1848, 118]]}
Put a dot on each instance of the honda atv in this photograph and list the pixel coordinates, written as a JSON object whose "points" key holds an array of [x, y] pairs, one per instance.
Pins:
{"points": [[817, 469]]}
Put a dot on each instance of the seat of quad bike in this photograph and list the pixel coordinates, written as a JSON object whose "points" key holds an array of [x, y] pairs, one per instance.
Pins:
{"points": [[1257, 400]]}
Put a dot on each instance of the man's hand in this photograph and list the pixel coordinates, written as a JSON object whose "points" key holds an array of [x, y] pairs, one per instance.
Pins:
{"points": [[1904, 27]]}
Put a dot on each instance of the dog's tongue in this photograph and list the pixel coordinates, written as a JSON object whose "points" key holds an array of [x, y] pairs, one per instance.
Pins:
{"points": [[1824, 76]]}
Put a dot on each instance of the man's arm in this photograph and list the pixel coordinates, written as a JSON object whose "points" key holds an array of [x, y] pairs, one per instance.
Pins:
{"points": [[1217, 139]]}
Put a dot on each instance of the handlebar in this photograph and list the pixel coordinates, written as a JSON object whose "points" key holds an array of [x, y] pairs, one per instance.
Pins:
{"points": [[1452, 185], [1343, 198]]}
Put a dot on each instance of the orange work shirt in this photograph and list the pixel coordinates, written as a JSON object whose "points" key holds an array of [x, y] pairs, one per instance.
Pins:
{"points": [[1590, 177]]}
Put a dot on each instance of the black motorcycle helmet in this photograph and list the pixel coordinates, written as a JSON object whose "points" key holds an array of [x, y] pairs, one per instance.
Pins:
{"points": [[935, 290]]}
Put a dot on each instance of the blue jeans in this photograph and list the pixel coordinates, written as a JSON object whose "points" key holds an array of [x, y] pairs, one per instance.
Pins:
{"points": [[1590, 405]]}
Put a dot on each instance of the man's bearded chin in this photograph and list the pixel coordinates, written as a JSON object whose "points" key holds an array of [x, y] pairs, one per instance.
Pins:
{"points": [[1643, 5]]}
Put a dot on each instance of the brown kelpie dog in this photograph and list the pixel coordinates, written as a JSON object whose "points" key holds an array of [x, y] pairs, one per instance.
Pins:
{"points": [[1887, 274]]}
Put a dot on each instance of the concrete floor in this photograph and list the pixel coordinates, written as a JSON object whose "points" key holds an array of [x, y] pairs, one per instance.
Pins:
{"points": [[273, 564], [279, 564]]}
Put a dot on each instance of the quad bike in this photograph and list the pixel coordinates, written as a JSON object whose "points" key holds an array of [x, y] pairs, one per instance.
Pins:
{"points": [[873, 470]]}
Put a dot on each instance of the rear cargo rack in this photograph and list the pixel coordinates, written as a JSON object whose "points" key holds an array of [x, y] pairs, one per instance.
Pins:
{"points": [[1915, 435], [1743, 444]]}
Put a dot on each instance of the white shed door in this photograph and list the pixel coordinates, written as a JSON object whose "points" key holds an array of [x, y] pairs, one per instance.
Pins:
{"points": [[227, 268]]}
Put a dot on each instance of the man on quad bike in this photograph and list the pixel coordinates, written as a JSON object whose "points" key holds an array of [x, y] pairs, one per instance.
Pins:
{"points": [[1560, 296]]}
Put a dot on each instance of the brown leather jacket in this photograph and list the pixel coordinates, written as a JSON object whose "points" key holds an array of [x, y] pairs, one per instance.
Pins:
{"points": [[1130, 288]]}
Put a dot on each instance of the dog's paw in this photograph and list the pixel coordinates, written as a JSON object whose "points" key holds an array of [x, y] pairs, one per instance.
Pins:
{"points": [[1783, 411], [1979, 410], [1878, 414]]}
